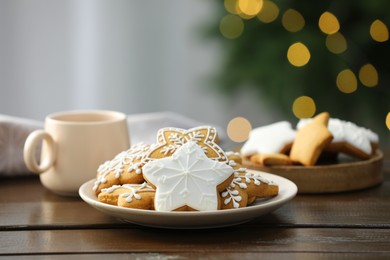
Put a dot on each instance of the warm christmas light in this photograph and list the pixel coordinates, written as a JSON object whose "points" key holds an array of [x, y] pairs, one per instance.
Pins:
{"points": [[329, 23], [368, 75], [250, 7], [346, 81], [238, 129], [304, 107], [388, 120], [336, 43], [298, 54], [293, 21], [269, 12], [231, 6], [379, 31], [231, 26]]}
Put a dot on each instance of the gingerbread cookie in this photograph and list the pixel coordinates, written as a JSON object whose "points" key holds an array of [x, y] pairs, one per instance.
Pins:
{"points": [[269, 139], [125, 168], [170, 139], [234, 156], [311, 140], [271, 159], [139, 196], [246, 187], [349, 138], [186, 170], [188, 179]]}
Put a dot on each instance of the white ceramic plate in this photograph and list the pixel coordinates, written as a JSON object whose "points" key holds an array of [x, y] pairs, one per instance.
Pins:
{"points": [[195, 220]]}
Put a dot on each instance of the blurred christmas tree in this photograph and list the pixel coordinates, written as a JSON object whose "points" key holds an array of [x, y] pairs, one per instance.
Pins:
{"points": [[305, 57]]}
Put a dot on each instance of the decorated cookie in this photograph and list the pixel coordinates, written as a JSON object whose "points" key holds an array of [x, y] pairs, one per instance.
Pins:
{"points": [[258, 186], [311, 140], [188, 179], [349, 138], [246, 187], [269, 139], [125, 168], [171, 139], [139, 196], [271, 159], [234, 156]]}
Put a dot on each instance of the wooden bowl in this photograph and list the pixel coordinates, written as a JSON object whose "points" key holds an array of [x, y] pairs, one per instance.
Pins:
{"points": [[344, 176]]}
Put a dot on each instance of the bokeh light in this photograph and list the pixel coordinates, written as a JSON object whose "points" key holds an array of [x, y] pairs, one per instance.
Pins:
{"points": [[231, 6], [388, 120], [368, 75], [231, 26], [304, 107], [250, 7], [346, 81], [379, 31], [336, 43], [298, 54], [238, 129], [269, 12], [293, 21], [328, 23]]}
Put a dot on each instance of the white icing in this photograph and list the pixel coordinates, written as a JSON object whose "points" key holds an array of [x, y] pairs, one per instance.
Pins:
{"points": [[188, 177], [269, 139], [344, 131], [230, 194], [180, 136], [134, 190], [231, 153], [135, 157], [256, 178]]}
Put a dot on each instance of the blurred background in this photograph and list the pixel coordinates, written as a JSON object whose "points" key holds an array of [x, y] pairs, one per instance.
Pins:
{"points": [[212, 61]]}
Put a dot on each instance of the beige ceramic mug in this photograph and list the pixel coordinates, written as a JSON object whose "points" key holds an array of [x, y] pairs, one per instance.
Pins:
{"points": [[75, 144]]}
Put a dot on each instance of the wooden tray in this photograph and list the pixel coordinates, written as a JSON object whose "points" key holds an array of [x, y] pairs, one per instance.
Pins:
{"points": [[344, 176]]}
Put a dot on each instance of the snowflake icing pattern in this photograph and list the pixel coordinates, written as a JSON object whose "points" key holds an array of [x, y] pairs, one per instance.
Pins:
{"points": [[187, 178], [170, 139]]}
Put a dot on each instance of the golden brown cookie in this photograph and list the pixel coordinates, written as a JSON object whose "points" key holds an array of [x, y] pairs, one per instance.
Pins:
{"points": [[246, 187], [311, 140], [234, 156], [110, 195], [234, 197], [349, 138], [125, 168], [258, 186], [138, 196], [170, 139], [271, 159]]}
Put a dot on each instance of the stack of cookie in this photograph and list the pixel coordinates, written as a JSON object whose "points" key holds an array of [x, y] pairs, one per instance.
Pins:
{"points": [[185, 170], [314, 138]]}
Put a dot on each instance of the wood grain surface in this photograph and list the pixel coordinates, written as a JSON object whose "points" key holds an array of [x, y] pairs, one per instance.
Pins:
{"points": [[35, 223]]}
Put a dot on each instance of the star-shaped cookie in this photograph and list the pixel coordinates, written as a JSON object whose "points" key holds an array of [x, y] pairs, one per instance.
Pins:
{"points": [[188, 178], [311, 140], [170, 139], [348, 138], [269, 139]]}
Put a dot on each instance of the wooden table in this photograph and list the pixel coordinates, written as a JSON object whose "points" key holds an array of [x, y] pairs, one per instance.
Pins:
{"points": [[36, 223]]}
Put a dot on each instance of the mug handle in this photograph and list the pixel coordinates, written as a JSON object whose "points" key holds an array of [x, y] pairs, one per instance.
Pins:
{"points": [[29, 151]]}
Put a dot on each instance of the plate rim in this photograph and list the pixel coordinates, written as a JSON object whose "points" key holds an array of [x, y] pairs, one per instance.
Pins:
{"points": [[287, 191]]}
